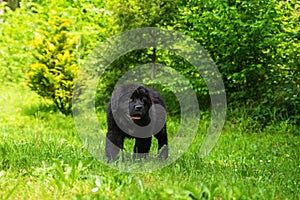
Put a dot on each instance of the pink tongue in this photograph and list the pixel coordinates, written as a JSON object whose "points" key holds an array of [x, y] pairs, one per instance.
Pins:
{"points": [[136, 117]]}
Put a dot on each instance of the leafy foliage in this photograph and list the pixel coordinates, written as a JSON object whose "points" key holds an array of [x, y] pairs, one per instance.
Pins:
{"points": [[16, 28], [136, 14], [52, 76], [54, 46], [253, 43]]}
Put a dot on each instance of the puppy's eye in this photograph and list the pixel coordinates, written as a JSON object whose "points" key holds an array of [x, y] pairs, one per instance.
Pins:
{"points": [[144, 99]]}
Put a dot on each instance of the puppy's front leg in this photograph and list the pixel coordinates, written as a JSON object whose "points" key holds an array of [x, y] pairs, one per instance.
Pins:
{"points": [[162, 138], [142, 147], [114, 142]]}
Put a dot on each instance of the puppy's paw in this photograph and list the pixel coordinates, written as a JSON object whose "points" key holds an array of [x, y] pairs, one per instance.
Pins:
{"points": [[164, 152]]}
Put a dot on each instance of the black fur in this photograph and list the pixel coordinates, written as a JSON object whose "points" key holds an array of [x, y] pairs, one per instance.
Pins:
{"points": [[130, 104]]}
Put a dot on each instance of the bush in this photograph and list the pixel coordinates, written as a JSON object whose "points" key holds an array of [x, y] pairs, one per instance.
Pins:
{"points": [[65, 33], [136, 14], [52, 76], [16, 28], [255, 45]]}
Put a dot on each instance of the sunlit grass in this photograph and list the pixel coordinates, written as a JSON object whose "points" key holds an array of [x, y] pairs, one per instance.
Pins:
{"points": [[42, 157]]}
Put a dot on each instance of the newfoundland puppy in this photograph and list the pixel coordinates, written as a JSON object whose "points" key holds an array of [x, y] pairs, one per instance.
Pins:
{"points": [[136, 112]]}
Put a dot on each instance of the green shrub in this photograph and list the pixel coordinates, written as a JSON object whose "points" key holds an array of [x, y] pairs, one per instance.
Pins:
{"points": [[16, 28], [52, 76], [126, 15], [255, 45]]}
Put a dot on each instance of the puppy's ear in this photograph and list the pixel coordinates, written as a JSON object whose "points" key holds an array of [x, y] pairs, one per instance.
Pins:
{"points": [[148, 94], [121, 96], [114, 104], [114, 101]]}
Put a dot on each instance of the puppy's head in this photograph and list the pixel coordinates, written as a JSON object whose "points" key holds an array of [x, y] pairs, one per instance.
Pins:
{"points": [[130, 106], [131, 102], [139, 104]]}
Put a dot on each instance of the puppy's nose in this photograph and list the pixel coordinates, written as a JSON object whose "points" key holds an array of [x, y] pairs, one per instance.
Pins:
{"points": [[138, 107]]}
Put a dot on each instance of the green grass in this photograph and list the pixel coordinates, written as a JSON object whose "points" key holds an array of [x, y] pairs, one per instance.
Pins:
{"points": [[42, 157]]}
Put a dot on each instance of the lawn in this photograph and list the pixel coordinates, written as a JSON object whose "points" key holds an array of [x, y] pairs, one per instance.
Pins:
{"points": [[42, 157]]}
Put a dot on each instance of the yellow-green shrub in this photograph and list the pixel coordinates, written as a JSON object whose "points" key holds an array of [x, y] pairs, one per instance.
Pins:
{"points": [[52, 75]]}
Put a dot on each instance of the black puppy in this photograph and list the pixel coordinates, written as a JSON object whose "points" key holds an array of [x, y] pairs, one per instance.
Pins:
{"points": [[136, 112]]}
